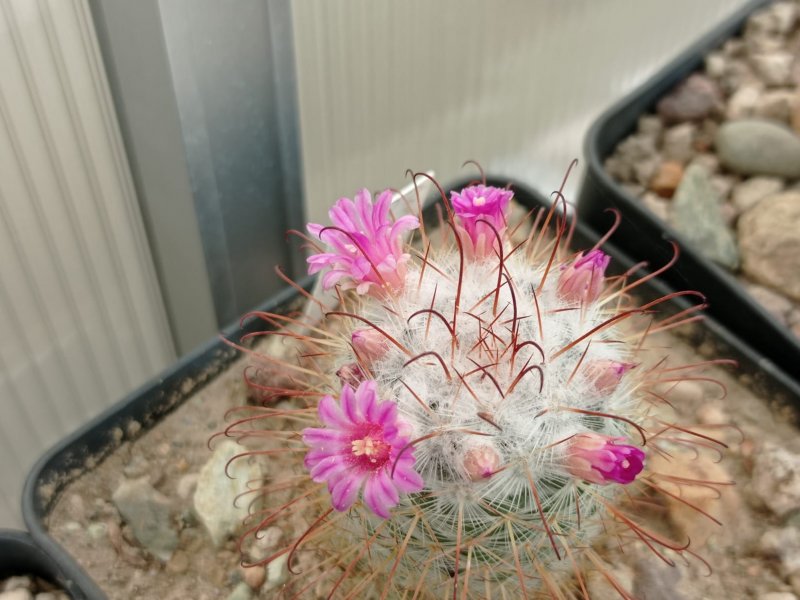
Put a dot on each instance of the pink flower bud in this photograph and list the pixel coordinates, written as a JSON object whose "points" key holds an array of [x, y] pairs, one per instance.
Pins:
{"points": [[351, 374], [370, 345], [481, 462], [599, 459], [605, 375], [582, 281], [480, 211]]}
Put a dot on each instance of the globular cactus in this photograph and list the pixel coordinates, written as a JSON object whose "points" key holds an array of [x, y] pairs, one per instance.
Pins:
{"points": [[466, 414]]}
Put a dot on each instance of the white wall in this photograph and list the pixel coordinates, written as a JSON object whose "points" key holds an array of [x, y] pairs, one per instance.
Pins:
{"points": [[81, 316], [386, 86]]}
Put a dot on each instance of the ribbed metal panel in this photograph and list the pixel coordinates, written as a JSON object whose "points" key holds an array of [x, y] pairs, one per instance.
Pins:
{"points": [[81, 317], [512, 83]]}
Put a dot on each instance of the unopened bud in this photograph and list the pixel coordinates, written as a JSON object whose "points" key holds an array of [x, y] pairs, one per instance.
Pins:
{"points": [[370, 345], [605, 375], [481, 462], [351, 374], [582, 281]]}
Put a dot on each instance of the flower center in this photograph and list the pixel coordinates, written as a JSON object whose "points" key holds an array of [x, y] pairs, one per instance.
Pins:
{"points": [[370, 451], [479, 201]]}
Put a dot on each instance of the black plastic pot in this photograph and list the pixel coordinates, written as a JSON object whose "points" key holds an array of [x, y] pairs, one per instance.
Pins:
{"points": [[19, 555], [643, 235], [69, 459], [138, 412]]}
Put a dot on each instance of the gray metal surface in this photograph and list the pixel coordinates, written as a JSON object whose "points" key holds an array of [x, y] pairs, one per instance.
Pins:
{"points": [[214, 147]]}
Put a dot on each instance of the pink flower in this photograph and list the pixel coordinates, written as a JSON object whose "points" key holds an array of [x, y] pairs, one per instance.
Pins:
{"points": [[369, 344], [480, 211], [599, 459], [481, 462], [582, 281], [358, 448], [605, 375], [366, 247]]}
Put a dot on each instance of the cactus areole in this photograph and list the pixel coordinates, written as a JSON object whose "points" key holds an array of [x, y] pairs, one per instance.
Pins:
{"points": [[469, 411]]}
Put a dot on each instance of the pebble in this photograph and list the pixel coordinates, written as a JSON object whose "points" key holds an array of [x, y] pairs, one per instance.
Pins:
{"points": [[776, 478], [187, 485], [215, 498], [696, 215], [97, 531], [17, 582], [657, 205], [254, 576], [678, 143], [666, 179], [149, 515], [749, 192], [599, 587], [757, 147], [655, 581], [774, 68], [742, 103], [179, 563], [769, 239], [778, 105], [784, 544], [775, 304], [277, 573], [17, 594], [778, 596], [241, 592], [692, 100]]}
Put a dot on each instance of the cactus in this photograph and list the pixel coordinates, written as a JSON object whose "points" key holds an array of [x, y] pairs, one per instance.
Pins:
{"points": [[467, 414]]}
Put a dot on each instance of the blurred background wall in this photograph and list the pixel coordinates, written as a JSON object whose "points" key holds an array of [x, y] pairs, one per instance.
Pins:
{"points": [[153, 152]]}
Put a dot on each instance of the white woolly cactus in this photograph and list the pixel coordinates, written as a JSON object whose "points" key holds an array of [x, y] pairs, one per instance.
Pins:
{"points": [[467, 413]]}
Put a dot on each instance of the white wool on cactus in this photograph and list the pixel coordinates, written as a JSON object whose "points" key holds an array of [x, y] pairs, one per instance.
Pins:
{"points": [[469, 412]]}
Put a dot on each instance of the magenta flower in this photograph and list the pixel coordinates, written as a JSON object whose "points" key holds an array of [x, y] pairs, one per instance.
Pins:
{"points": [[599, 459], [582, 281], [366, 247], [358, 447], [480, 211], [605, 374]]}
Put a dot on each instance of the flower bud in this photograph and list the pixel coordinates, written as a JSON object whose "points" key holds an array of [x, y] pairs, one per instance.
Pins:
{"points": [[599, 459], [582, 281], [369, 344], [481, 462], [605, 375], [351, 374]]}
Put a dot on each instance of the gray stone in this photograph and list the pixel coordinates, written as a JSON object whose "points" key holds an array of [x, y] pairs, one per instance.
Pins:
{"points": [[693, 100], [241, 592], [756, 147], [751, 191], [774, 68], [650, 126], [769, 239], [696, 215], [677, 143], [149, 515], [783, 544], [215, 498], [776, 478]]}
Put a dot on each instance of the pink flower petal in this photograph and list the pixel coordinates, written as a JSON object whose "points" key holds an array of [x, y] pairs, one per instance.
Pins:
{"points": [[331, 413], [345, 492]]}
